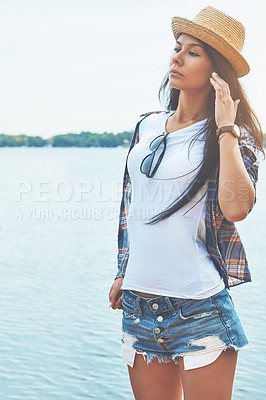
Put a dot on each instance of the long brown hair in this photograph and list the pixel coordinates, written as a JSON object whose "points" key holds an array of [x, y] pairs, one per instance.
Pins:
{"points": [[245, 118]]}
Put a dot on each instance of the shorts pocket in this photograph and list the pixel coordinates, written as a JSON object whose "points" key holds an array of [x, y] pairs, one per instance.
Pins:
{"points": [[198, 309], [127, 313], [128, 310]]}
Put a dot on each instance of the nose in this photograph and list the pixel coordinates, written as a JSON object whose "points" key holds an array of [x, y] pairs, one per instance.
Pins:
{"points": [[178, 59]]}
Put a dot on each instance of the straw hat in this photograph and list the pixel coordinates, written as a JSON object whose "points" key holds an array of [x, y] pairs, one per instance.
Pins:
{"points": [[219, 30]]}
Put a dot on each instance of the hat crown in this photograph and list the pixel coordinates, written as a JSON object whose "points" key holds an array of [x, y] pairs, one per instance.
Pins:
{"points": [[228, 28]]}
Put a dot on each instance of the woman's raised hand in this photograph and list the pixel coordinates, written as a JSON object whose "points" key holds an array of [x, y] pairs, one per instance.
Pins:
{"points": [[225, 106], [115, 294]]}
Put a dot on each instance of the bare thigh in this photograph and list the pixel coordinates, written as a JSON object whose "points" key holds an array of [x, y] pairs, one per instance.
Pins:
{"points": [[155, 381], [214, 381]]}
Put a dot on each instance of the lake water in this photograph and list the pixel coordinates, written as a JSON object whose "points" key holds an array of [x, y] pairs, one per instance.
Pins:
{"points": [[58, 225]]}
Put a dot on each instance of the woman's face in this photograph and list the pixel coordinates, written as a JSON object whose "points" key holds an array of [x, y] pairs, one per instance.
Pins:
{"points": [[191, 61]]}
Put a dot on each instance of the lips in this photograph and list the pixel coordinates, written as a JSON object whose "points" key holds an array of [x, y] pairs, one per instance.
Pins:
{"points": [[174, 71]]}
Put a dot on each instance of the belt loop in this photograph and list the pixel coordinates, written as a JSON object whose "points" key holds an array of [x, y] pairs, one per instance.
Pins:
{"points": [[138, 306], [168, 301]]}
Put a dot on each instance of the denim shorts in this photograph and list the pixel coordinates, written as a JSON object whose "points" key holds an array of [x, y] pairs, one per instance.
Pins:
{"points": [[169, 327]]}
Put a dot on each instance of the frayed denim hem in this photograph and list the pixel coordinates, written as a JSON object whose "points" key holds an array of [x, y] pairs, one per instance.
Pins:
{"points": [[192, 359], [161, 359]]}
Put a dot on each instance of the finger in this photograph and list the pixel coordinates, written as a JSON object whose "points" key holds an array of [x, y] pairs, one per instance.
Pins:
{"points": [[111, 294], [218, 78], [113, 304], [222, 83], [118, 294], [236, 103], [112, 298], [217, 87], [118, 303]]}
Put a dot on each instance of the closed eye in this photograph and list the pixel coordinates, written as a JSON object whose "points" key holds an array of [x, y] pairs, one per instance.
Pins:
{"points": [[190, 52]]}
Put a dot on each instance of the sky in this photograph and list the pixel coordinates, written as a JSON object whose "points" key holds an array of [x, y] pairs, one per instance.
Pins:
{"points": [[87, 65]]}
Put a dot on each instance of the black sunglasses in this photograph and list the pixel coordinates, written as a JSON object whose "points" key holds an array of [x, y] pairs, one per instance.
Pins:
{"points": [[146, 166]]}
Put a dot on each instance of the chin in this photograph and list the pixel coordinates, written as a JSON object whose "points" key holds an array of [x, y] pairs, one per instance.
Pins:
{"points": [[178, 87], [175, 84]]}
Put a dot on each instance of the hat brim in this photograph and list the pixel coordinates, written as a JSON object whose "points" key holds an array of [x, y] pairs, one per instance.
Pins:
{"points": [[183, 25]]}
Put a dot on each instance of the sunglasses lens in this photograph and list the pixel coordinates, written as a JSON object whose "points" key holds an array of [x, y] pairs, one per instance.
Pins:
{"points": [[151, 162], [155, 144], [146, 164]]}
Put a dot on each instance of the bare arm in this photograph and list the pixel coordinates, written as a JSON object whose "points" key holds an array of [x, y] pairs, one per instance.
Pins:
{"points": [[236, 193]]}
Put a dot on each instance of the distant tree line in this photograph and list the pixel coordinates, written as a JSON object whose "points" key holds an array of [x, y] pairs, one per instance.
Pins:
{"points": [[83, 139], [21, 140]]}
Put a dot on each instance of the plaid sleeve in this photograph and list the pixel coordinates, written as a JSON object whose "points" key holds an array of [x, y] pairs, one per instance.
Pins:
{"points": [[123, 239], [248, 151]]}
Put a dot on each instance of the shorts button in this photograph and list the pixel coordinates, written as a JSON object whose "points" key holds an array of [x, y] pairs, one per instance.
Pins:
{"points": [[160, 318], [157, 330], [155, 306], [160, 340]]}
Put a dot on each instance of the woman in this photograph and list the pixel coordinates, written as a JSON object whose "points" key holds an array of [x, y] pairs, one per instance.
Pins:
{"points": [[190, 173]]}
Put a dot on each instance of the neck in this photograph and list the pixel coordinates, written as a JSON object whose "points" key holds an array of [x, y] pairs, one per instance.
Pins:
{"points": [[192, 107]]}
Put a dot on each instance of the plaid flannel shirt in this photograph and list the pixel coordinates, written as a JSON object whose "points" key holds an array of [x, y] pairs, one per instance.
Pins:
{"points": [[223, 242]]}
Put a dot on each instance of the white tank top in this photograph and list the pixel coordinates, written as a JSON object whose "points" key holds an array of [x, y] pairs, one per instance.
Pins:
{"points": [[169, 257]]}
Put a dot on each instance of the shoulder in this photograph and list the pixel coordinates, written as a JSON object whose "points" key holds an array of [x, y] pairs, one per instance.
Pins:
{"points": [[153, 115], [151, 118], [152, 112]]}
